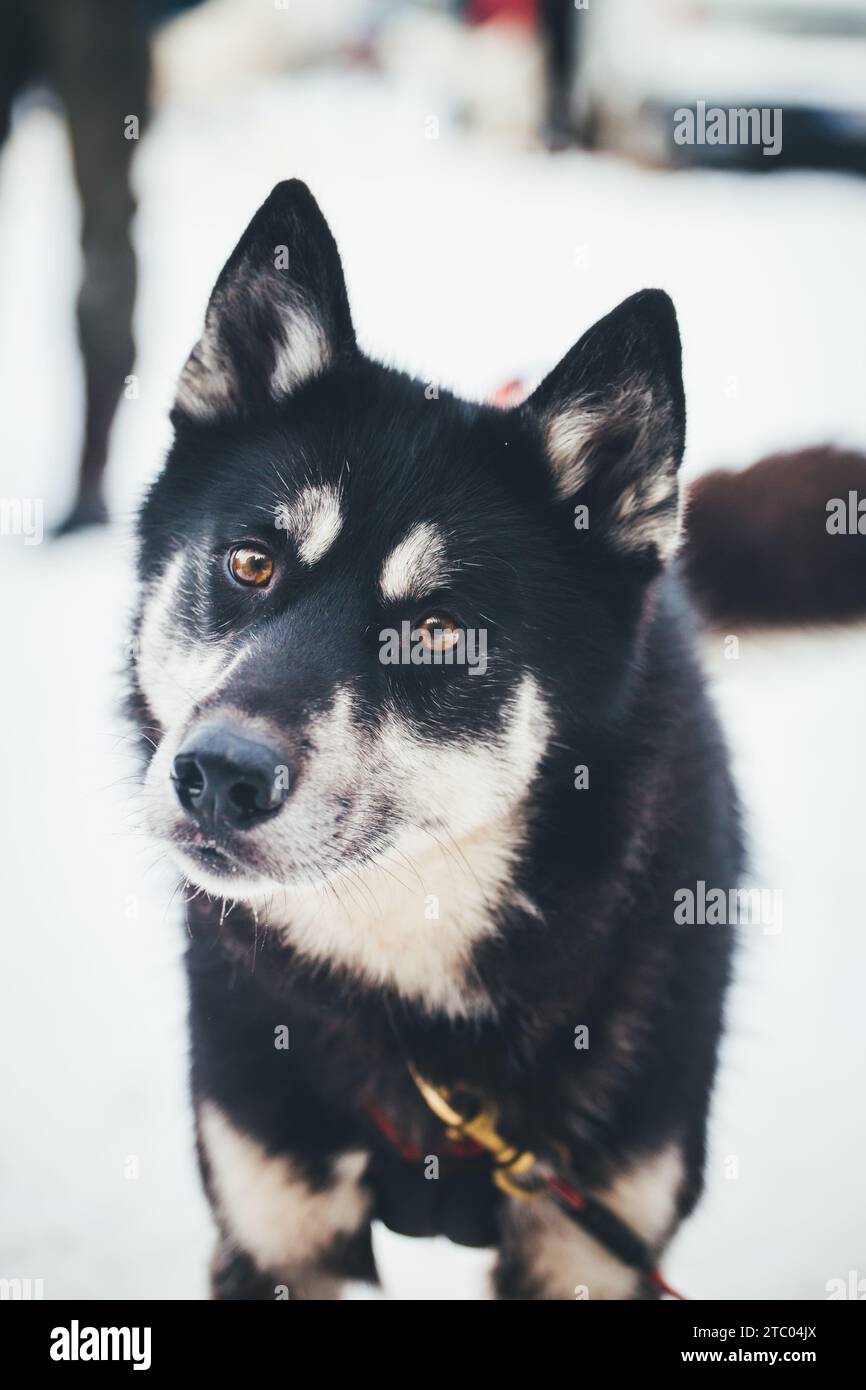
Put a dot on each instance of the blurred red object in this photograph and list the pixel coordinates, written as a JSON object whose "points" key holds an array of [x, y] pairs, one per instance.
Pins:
{"points": [[512, 393], [517, 11]]}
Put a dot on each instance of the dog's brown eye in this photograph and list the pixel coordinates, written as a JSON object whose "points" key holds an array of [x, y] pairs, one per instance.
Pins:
{"points": [[438, 632], [250, 566]]}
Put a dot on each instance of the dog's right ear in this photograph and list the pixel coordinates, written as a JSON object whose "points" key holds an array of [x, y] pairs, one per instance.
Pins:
{"points": [[278, 314]]}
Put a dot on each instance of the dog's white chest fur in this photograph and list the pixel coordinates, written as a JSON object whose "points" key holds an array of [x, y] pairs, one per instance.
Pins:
{"points": [[412, 921]]}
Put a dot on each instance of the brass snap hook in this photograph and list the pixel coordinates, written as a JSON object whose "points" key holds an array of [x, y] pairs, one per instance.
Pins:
{"points": [[509, 1163]]}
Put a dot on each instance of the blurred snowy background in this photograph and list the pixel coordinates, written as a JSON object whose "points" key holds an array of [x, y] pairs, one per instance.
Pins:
{"points": [[473, 255]]}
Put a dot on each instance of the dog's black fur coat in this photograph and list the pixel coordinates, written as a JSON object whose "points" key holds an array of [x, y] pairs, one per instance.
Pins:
{"points": [[608, 632]]}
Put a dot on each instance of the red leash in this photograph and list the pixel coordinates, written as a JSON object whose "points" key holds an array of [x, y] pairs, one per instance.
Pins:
{"points": [[411, 1153]]}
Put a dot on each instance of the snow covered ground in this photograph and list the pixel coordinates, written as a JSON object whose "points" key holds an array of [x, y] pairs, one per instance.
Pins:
{"points": [[468, 263]]}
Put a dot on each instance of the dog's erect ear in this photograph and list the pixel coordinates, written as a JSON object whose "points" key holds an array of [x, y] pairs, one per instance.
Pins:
{"points": [[612, 417], [278, 314]]}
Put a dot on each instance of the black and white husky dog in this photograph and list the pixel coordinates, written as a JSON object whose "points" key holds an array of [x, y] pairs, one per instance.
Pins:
{"points": [[429, 733]]}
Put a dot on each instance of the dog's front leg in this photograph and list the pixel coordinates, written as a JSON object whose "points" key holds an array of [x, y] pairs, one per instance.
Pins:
{"points": [[544, 1254], [284, 1233]]}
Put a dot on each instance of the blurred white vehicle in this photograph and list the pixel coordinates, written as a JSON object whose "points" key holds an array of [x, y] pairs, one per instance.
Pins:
{"points": [[642, 60]]}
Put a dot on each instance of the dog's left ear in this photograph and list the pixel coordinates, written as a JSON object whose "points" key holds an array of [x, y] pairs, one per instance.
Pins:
{"points": [[278, 314], [612, 417]]}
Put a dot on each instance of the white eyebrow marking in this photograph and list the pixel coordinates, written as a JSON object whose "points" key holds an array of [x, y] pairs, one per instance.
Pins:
{"points": [[416, 566], [314, 520]]}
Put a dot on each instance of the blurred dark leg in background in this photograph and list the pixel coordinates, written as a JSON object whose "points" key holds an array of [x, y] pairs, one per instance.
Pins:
{"points": [[18, 62], [559, 34], [94, 55], [99, 64]]}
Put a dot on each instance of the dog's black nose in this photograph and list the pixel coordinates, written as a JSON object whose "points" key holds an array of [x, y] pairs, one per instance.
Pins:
{"points": [[223, 776]]}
